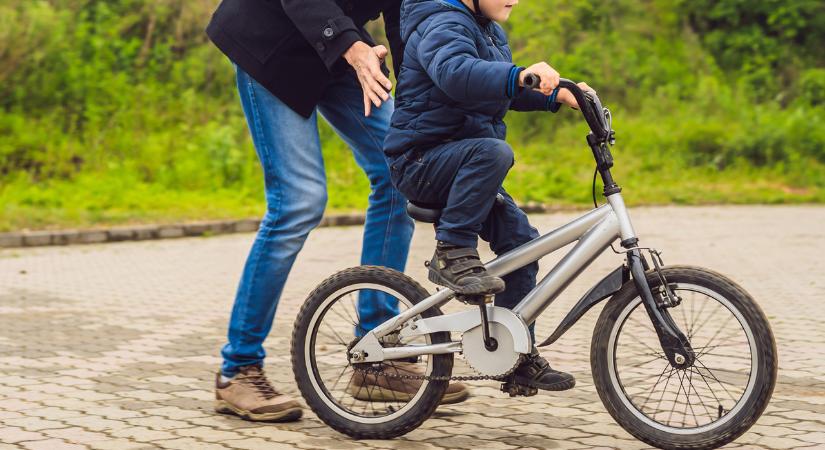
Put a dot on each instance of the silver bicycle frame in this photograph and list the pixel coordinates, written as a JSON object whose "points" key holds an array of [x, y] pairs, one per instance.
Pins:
{"points": [[594, 231]]}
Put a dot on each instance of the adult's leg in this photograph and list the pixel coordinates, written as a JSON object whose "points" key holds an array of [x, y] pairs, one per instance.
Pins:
{"points": [[289, 150], [388, 228]]}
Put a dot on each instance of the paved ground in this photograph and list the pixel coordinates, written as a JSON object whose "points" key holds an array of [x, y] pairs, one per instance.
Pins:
{"points": [[114, 346]]}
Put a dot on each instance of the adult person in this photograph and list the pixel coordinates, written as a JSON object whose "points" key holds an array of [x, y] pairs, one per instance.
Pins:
{"points": [[295, 59]]}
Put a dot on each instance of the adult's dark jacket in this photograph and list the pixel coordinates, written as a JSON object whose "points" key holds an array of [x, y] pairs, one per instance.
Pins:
{"points": [[295, 48]]}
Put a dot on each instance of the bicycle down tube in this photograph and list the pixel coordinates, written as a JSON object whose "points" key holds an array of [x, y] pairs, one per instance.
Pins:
{"points": [[594, 231]]}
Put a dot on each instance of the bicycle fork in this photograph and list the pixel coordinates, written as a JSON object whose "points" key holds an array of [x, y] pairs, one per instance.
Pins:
{"points": [[674, 343]]}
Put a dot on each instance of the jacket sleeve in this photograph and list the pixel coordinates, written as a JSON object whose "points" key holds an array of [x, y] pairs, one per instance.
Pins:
{"points": [[448, 53], [392, 24], [532, 100], [325, 26]]}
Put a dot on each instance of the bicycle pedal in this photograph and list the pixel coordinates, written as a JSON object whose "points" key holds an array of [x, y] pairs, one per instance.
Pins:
{"points": [[475, 299], [518, 390]]}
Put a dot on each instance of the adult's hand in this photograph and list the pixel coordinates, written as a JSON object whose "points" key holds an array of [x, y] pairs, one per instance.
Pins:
{"points": [[366, 61]]}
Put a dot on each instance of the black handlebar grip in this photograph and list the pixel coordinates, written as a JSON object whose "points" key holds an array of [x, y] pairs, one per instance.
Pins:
{"points": [[531, 81]]}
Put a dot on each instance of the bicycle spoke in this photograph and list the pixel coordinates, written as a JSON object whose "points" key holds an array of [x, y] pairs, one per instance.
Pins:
{"points": [[334, 340], [645, 325], [715, 335], [653, 350], [676, 400], [659, 405], [633, 366], [338, 336], [686, 375], [667, 366], [694, 328], [671, 402], [701, 400], [710, 373], [691, 328], [377, 394]]}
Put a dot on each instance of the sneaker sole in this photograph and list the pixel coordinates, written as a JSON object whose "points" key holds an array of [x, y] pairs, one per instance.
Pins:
{"points": [[559, 386], [386, 395], [287, 415], [470, 289]]}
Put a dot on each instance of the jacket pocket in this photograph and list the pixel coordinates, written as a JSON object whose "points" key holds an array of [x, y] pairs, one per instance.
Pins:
{"points": [[257, 26]]}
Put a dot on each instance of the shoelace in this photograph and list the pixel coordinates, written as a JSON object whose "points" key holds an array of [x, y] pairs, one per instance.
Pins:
{"points": [[259, 381]]}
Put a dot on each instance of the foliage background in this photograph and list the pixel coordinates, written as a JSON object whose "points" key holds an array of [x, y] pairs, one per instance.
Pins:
{"points": [[121, 111]]}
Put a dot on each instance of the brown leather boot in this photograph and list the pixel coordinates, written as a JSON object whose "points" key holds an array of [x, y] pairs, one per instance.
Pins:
{"points": [[378, 388], [250, 396]]}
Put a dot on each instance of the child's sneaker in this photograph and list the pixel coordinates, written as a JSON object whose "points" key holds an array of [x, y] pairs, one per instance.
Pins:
{"points": [[536, 372], [460, 269]]}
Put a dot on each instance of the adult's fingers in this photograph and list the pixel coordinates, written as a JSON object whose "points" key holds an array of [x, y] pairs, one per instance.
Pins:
{"points": [[377, 89], [367, 105], [380, 51], [376, 74], [375, 99]]}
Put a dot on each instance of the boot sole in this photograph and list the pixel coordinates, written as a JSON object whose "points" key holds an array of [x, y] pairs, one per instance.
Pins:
{"points": [[470, 289], [287, 415], [558, 386], [386, 395]]}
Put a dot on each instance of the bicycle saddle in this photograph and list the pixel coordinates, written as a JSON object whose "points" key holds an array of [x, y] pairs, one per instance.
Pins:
{"points": [[431, 212], [424, 212]]}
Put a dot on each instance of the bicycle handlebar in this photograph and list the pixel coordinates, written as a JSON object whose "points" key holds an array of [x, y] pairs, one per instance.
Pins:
{"points": [[589, 104]]}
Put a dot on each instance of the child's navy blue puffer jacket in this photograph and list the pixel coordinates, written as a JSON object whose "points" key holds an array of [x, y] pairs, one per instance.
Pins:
{"points": [[457, 79]]}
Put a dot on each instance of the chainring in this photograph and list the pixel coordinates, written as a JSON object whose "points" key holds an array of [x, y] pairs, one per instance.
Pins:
{"points": [[499, 361]]}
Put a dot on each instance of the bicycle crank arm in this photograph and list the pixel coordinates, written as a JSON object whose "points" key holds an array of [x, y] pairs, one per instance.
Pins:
{"points": [[674, 343]]}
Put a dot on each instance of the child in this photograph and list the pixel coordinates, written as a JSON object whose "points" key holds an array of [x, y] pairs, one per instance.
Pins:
{"points": [[446, 146]]}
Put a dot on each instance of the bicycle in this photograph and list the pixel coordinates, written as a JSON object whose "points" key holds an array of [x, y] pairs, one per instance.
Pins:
{"points": [[653, 330]]}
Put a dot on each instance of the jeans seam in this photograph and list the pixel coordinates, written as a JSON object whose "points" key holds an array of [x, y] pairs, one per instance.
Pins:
{"points": [[254, 110]]}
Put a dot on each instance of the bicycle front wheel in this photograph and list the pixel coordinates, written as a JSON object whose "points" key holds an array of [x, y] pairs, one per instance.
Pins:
{"points": [[706, 405]]}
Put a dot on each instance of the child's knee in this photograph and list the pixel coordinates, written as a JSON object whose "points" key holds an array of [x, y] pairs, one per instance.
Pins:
{"points": [[497, 153]]}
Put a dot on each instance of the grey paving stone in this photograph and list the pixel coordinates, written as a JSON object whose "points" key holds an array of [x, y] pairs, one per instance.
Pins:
{"points": [[116, 346]]}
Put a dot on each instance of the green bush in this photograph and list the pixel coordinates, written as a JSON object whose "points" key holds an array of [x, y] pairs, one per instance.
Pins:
{"points": [[121, 110]]}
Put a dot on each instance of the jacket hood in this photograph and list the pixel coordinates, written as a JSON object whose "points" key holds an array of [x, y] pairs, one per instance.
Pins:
{"points": [[413, 12]]}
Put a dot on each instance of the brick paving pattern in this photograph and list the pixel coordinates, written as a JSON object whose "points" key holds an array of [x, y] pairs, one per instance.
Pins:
{"points": [[115, 346]]}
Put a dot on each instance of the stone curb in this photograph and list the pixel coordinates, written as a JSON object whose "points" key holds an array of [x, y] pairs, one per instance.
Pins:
{"points": [[189, 229]]}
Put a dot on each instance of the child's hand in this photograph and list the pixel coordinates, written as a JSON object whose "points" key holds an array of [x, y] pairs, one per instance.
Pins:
{"points": [[549, 77], [566, 97]]}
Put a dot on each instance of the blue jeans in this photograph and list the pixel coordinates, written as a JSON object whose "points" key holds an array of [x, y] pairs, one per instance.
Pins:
{"points": [[465, 176], [289, 151]]}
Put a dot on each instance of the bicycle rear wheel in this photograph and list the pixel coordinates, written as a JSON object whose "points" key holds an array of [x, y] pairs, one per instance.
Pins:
{"points": [[362, 404], [706, 405]]}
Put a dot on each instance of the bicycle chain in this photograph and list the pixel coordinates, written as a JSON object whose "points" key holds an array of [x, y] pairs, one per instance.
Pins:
{"points": [[371, 371]]}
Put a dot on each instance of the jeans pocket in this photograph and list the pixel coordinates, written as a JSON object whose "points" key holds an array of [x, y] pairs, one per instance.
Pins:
{"points": [[407, 172]]}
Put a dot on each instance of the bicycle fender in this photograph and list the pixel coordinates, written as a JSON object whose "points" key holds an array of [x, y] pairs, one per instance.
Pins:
{"points": [[608, 286]]}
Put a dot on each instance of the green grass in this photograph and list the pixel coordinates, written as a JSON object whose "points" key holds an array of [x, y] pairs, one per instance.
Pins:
{"points": [[552, 167], [121, 111]]}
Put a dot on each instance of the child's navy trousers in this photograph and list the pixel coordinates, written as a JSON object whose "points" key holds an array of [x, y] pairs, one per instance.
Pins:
{"points": [[463, 177]]}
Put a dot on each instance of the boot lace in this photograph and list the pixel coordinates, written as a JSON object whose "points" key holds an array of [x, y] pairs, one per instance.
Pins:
{"points": [[257, 379]]}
